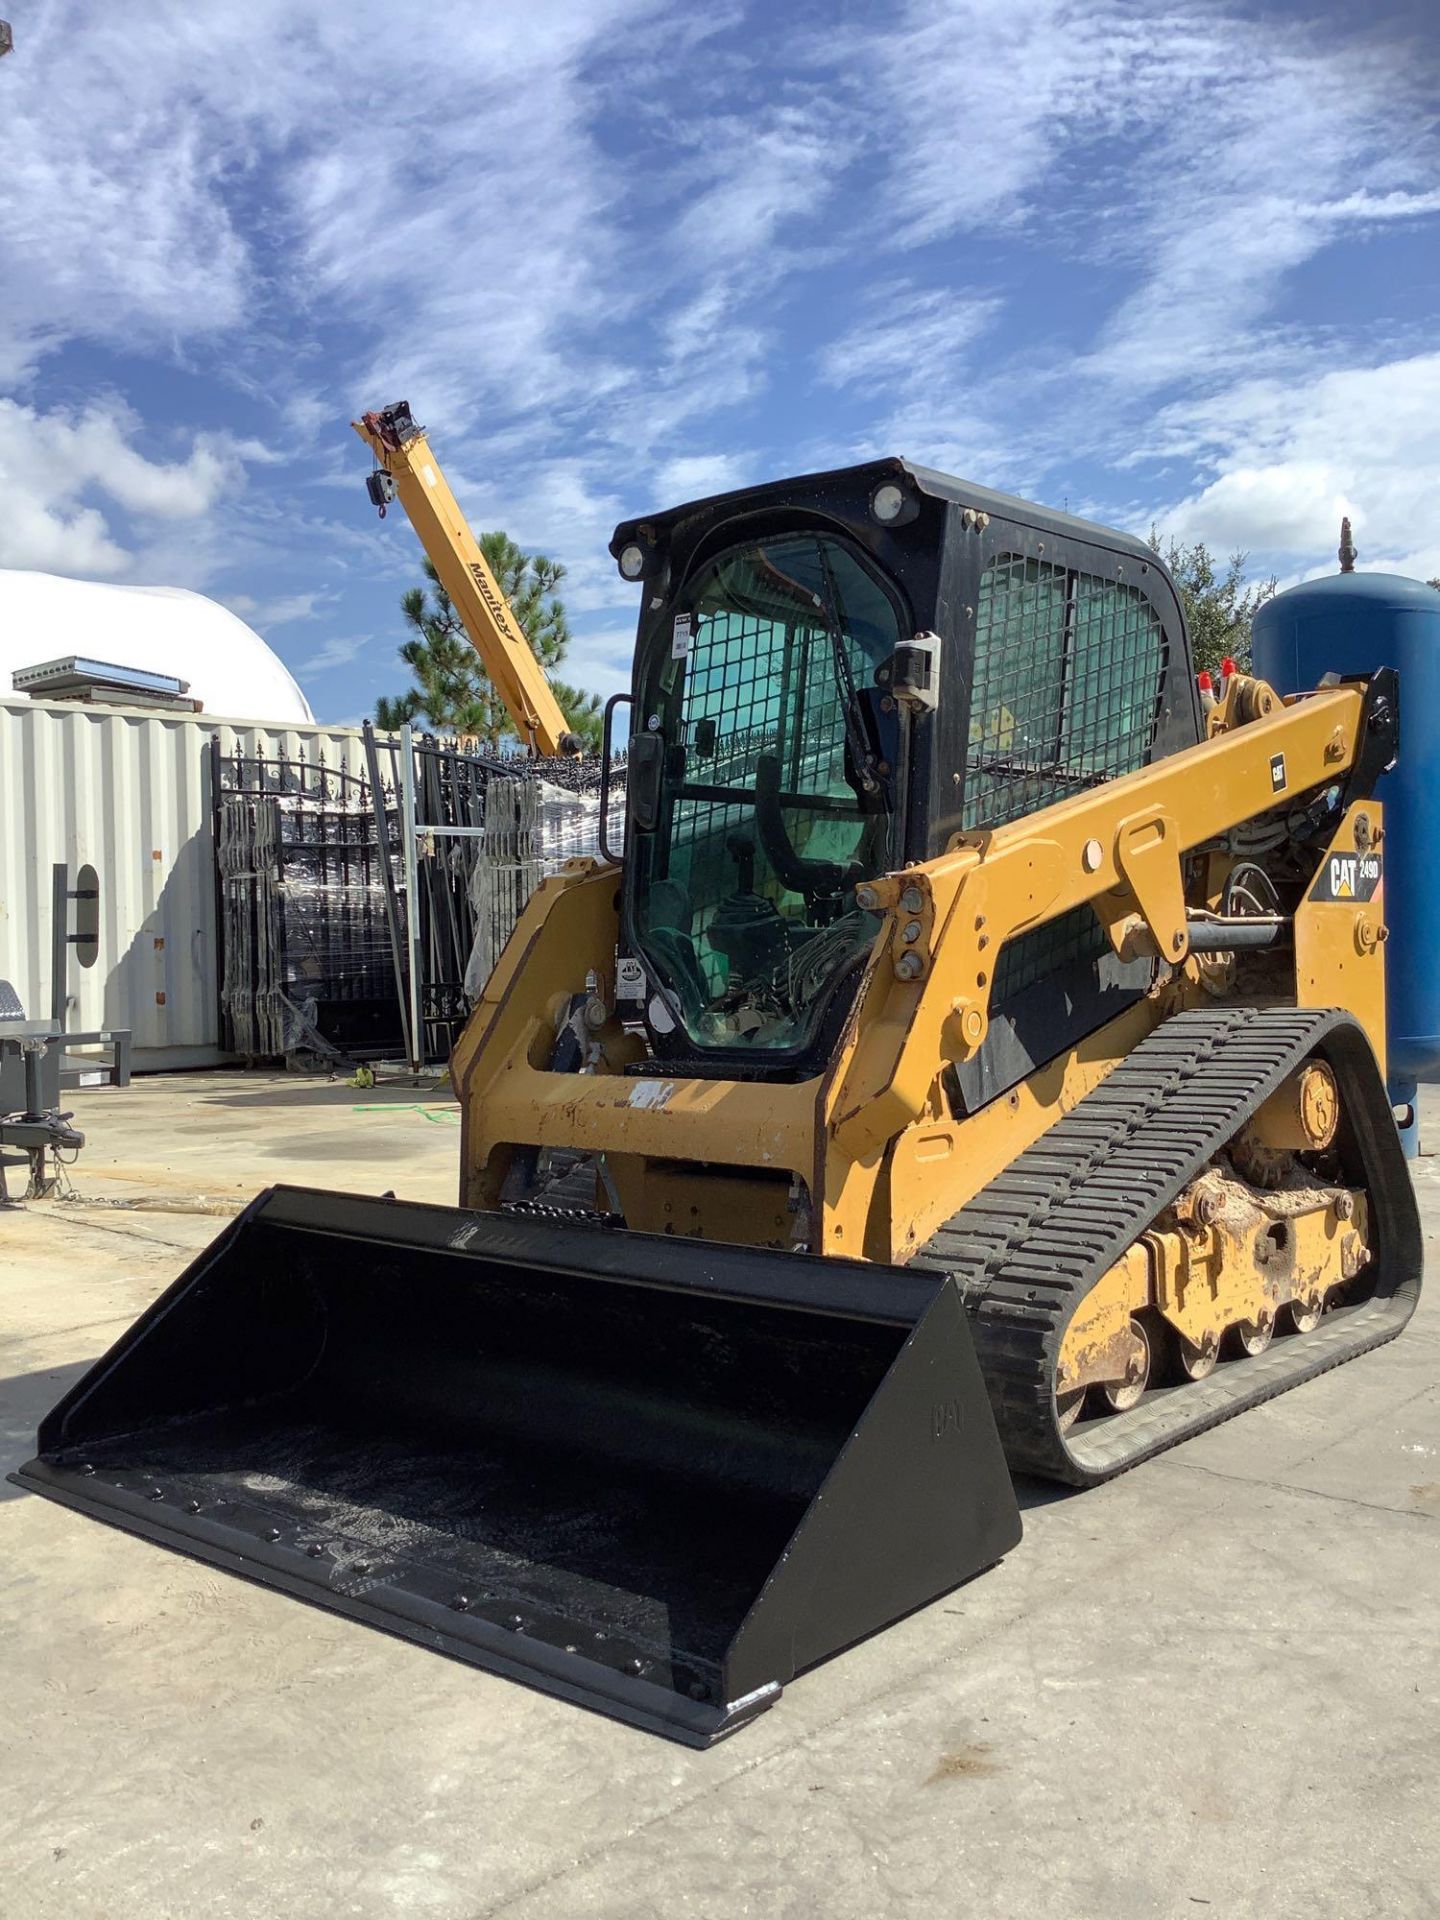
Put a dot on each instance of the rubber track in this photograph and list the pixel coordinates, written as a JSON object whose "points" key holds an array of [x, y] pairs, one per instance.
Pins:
{"points": [[1029, 1246]]}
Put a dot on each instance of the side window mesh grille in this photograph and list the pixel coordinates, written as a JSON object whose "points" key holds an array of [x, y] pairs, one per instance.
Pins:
{"points": [[1068, 672]]}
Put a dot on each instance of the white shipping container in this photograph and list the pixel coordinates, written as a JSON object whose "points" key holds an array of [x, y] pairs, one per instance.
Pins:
{"points": [[128, 791]]}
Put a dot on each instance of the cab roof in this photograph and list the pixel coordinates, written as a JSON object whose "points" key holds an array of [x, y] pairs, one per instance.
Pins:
{"points": [[860, 481]]}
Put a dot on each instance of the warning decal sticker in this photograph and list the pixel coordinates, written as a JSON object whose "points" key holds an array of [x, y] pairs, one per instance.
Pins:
{"points": [[1348, 876], [681, 637]]}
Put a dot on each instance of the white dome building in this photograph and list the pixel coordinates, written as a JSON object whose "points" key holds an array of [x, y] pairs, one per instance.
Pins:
{"points": [[166, 630]]}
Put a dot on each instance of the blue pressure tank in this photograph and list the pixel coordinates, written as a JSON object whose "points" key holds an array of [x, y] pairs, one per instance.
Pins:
{"points": [[1354, 623]]}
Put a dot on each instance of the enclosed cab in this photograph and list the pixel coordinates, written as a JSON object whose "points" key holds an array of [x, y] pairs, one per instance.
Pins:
{"points": [[836, 675]]}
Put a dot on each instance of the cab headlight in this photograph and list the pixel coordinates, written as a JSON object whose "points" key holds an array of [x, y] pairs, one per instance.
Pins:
{"points": [[887, 503]]}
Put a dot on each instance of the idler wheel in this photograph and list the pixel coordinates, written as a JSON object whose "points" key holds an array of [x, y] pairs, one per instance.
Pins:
{"points": [[1252, 1337], [1197, 1362], [1069, 1407], [1121, 1395], [1305, 1314]]}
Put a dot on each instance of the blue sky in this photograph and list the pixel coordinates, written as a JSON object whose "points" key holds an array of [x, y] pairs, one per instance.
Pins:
{"points": [[1175, 263]]}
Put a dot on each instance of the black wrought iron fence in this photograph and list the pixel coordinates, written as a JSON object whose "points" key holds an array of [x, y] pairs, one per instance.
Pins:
{"points": [[360, 915]]}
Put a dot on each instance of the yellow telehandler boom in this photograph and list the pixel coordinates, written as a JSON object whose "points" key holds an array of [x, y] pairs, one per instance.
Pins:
{"points": [[406, 466]]}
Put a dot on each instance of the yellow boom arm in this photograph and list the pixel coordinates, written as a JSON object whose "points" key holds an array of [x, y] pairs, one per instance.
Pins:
{"points": [[403, 454]]}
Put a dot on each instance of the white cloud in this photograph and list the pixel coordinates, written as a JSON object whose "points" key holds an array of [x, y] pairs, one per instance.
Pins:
{"points": [[592, 240], [1166, 170], [1379, 207], [908, 361], [1195, 151], [970, 100], [912, 337], [490, 187], [1285, 460], [339, 651], [749, 190], [111, 226], [193, 175], [758, 170], [52, 465], [280, 611], [695, 476], [174, 172], [1286, 145], [1281, 507]]}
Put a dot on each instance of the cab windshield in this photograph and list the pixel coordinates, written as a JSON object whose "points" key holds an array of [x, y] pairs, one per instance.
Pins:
{"points": [[776, 789]]}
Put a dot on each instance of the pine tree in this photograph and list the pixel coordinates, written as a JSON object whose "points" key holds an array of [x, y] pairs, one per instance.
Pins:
{"points": [[450, 691]]}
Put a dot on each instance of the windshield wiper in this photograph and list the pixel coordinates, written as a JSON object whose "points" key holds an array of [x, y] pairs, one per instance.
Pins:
{"points": [[861, 752]]}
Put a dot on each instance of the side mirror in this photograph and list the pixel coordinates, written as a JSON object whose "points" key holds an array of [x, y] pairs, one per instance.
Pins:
{"points": [[642, 781]]}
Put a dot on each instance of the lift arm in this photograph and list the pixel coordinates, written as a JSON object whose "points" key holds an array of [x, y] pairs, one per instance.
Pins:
{"points": [[406, 466], [1117, 847]]}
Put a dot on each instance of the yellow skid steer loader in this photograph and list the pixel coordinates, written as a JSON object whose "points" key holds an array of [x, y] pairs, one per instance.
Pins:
{"points": [[972, 1062]]}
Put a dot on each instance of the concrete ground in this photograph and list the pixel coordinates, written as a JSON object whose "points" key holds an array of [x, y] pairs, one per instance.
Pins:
{"points": [[1210, 1685]]}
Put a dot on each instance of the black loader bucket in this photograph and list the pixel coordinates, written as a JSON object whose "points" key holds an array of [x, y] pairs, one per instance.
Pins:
{"points": [[653, 1476]]}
